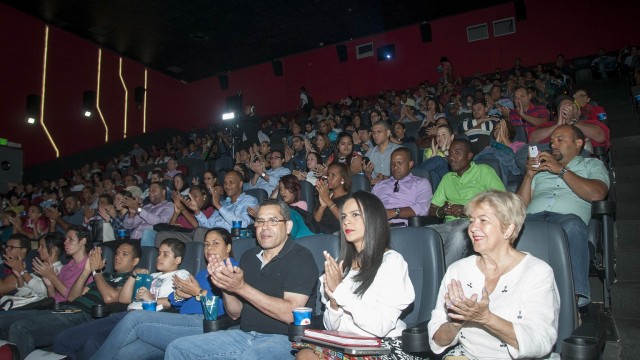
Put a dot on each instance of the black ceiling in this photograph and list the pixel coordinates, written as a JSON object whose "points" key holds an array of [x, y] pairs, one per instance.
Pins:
{"points": [[194, 39]]}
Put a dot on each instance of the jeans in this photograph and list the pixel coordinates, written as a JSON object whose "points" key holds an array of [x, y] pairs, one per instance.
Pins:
{"points": [[146, 334], [454, 238], [82, 341], [231, 344], [29, 329], [437, 167], [148, 237], [577, 236]]}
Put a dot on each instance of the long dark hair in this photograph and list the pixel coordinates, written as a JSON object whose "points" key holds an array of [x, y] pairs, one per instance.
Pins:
{"points": [[336, 156], [291, 183], [376, 241]]}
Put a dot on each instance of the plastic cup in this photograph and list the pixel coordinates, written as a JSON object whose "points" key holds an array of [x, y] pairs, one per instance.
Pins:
{"points": [[236, 224], [149, 305], [302, 316]]}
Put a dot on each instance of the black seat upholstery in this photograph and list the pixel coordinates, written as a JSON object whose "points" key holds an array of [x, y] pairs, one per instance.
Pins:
{"points": [[416, 156], [259, 194], [307, 192], [194, 257], [317, 244], [239, 246], [423, 173], [548, 242], [422, 249], [148, 258], [360, 182], [109, 255]]}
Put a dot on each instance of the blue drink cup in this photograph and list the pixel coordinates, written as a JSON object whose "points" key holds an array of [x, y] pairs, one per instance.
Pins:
{"points": [[149, 305], [302, 316], [236, 225], [602, 116]]}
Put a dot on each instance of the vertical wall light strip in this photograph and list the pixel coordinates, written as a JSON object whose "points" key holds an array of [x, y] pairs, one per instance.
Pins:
{"points": [[144, 104], [106, 128], [44, 83], [126, 99]]}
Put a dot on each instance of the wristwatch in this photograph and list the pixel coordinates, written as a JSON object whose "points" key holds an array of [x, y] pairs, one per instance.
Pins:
{"points": [[97, 271], [201, 293], [263, 175], [397, 210], [23, 272], [562, 172]]}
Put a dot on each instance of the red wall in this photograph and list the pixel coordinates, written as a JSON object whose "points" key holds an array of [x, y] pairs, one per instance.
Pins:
{"points": [[574, 28]]}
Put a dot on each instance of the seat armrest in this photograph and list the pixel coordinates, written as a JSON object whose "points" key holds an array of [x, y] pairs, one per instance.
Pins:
{"points": [[415, 340], [586, 342], [603, 207], [424, 220]]}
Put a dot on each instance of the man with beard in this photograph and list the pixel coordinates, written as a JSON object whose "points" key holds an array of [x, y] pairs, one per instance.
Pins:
{"points": [[559, 187]]}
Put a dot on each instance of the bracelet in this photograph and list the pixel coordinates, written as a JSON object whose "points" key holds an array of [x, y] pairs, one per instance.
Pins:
{"points": [[332, 205], [440, 216]]}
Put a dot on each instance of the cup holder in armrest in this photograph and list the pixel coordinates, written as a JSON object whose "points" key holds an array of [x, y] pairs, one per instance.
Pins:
{"points": [[415, 340], [297, 331], [221, 323]]}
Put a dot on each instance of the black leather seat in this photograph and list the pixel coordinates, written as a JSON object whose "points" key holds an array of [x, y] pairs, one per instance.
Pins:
{"points": [[148, 258], [259, 194], [308, 194], [239, 246], [194, 258], [548, 242], [317, 244], [360, 182]]}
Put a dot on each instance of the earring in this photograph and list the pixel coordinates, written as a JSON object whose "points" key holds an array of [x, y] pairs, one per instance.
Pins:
{"points": [[342, 182]]}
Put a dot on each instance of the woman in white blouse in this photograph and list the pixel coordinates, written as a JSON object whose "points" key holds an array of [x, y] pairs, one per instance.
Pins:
{"points": [[501, 303], [368, 287]]}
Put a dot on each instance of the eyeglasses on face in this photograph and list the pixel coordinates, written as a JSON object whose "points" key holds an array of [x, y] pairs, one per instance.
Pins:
{"points": [[271, 222], [11, 247]]}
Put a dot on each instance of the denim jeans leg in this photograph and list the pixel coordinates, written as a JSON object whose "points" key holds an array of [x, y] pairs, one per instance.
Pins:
{"points": [[455, 239], [30, 333], [230, 344], [143, 331], [148, 237]]}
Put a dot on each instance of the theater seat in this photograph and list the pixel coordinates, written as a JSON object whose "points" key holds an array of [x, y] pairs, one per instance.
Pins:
{"points": [[194, 258], [108, 254], [422, 249], [148, 258], [307, 192], [360, 182], [317, 244], [239, 246], [259, 194], [548, 242]]}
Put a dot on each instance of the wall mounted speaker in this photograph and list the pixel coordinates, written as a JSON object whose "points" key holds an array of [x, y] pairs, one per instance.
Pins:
{"points": [[223, 79], [521, 10], [342, 53], [425, 32], [139, 95], [277, 68]]}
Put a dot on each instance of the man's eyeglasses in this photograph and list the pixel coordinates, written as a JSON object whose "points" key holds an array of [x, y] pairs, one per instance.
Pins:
{"points": [[11, 247], [276, 157], [271, 222]]}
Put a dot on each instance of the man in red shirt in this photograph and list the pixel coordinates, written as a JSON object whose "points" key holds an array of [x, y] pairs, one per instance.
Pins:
{"points": [[569, 113], [526, 116]]}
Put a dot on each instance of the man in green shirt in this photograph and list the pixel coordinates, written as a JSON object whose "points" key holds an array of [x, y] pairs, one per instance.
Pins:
{"points": [[466, 180], [559, 187]]}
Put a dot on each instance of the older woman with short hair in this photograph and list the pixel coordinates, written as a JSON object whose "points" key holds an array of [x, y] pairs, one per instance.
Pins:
{"points": [[501, 303]]}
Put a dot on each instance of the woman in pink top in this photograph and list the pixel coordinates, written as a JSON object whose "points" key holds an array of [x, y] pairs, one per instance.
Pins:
{"points": [[182, 215]]}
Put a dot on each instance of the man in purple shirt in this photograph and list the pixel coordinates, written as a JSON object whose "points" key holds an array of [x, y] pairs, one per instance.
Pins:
{"points": [[526, 116], [403, 194], [158, 211]]}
